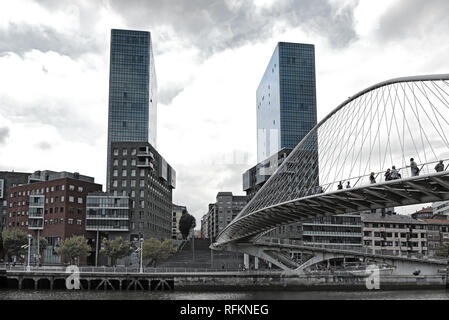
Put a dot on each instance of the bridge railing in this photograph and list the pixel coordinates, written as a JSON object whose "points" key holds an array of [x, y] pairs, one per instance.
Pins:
{"points": [[404, 172], [346, 248], [124, 270]]}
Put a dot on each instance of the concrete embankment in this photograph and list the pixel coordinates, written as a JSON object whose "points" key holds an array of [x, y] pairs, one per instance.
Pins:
{"points": [[308, 282], [217, 281]]}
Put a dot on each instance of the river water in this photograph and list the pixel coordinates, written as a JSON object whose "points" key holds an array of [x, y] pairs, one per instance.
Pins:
{"points": [[240, 295]]}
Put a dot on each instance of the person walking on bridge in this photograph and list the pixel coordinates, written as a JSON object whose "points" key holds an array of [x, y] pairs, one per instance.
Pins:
{"points": [[340, 186], [394, 173], [440, 166], [414, 168], [348, 185], [372, 179], [388, 175]]}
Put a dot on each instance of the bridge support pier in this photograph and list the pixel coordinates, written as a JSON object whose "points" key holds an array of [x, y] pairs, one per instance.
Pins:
{"points": [[246, 261]]}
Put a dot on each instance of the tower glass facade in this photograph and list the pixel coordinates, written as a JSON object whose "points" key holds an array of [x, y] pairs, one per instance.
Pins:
{"points": [[132, 90], [286, 99]]}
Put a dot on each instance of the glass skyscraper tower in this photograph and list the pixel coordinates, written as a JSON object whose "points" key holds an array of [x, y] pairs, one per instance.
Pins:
{"points": [[132, 90], [286, 99]]}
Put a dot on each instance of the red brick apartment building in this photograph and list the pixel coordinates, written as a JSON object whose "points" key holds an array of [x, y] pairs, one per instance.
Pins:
{"points": [[52, 205]]}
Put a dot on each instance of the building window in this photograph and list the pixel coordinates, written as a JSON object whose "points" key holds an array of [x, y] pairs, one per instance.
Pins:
{"points": [[123, 173], [142, 183], [80, 189], [142, 172], [71, 187], [80, 200], [114, 183], [62, 198], [78, 222], [62, 187], [115, 163], [125, 152], [133, 162], [133, 172], [133, 151], [115, 173], [71, 199], [70, 221], [123, 183], [115, 152], [124, 162]]}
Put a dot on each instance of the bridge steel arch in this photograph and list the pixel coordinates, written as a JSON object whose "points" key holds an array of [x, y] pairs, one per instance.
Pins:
{"points": [[381, 126]]}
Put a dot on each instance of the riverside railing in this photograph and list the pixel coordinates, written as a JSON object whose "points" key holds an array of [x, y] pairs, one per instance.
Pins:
{"points": [[364, 250], [405, 172], [126, 270]]}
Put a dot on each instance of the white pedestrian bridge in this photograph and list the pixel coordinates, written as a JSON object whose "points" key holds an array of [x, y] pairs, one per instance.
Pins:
{"points": [[381, 128]]}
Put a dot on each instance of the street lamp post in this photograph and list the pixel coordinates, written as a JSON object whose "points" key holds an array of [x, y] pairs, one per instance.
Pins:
{"points": [[141, 252], [29, 252], [96, 249], [38, 252]]}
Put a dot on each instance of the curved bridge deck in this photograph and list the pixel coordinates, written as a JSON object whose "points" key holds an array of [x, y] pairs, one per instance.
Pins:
{"points": [[407, 191]]}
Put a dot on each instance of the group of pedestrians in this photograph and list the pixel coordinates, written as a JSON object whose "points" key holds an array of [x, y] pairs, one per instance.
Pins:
{"points": [[393, 173]]}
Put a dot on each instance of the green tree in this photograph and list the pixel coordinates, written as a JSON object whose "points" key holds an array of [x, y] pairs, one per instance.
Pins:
{"points": [[116, 249], [186, 223], [43, 244], [443, 251], [2, 254], [74, 247], [158, 250], [13, 241]]}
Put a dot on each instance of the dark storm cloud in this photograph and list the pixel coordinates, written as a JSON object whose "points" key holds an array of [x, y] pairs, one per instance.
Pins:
{"points": [[212, 25], [4, 134], [22, 38], [415, 19]]}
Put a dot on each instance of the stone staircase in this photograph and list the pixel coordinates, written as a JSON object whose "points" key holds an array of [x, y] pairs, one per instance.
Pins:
{"points": [[200, 257]]}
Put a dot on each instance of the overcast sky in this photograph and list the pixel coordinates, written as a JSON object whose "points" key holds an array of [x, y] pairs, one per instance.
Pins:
{"points": [[210, 56]]}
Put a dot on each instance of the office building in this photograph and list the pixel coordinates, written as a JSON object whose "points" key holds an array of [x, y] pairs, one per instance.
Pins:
{"points": [[141, 173], [286, 99], [286, 112], [223, 211], [8, 180], [255, 178], [132, 90]]}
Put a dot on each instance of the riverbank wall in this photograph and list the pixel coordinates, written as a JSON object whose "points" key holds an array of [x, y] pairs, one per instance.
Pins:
{"points": [[216, 281]]}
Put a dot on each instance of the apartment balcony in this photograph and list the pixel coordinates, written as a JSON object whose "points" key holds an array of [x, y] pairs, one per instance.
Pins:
{"points": [[107, 228], [145, 164], [145, 152], [35, 223], [104, 217], [37, 201], [328, 234]]}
